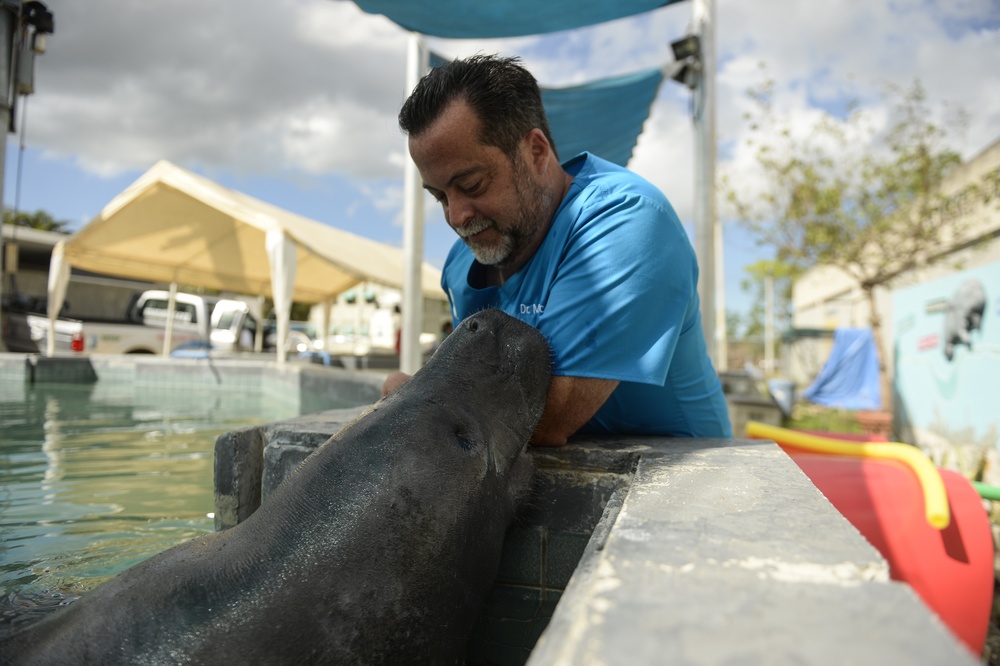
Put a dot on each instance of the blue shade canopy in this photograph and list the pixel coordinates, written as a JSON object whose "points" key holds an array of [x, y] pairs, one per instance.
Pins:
{"points": [[604, 117], [487, 19]]}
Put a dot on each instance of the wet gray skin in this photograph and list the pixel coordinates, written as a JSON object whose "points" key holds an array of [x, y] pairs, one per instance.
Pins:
{"points": [[380, 548]]}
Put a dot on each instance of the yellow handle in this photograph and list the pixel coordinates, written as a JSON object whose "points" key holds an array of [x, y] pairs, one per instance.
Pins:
{"points": [[935, 498]]}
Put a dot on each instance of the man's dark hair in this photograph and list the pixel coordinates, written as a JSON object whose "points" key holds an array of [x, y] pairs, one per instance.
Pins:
{"points": [[503, 94]]}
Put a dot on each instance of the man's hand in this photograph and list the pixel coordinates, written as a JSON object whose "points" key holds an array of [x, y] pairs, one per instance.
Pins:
{"points": [[571, 403], [393, 382]]}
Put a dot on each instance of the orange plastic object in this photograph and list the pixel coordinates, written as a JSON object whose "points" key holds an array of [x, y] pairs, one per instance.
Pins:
{"points": [[950, 569]]}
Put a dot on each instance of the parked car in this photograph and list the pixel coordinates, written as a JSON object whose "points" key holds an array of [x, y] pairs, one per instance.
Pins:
{"points": [[26, 324], [223, 324]]}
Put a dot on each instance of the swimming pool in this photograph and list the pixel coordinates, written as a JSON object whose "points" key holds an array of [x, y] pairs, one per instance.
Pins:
{"points": [[97, 477]]}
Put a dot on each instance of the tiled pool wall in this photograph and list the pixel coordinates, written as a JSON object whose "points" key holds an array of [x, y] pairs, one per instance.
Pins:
{"points": [[540, 553]]}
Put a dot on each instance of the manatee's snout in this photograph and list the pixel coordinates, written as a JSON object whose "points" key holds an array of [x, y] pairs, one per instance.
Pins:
{"points": [[521, 350], [519, 359]]}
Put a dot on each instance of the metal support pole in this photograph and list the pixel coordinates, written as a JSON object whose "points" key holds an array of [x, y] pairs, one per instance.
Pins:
{"points": [[708, 232], [258, 338], [769, 326], [168, 330], [413, 230], [8, 20]]}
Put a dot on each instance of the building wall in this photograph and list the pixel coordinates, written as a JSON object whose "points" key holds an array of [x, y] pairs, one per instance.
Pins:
{"points": [[947, 352]]}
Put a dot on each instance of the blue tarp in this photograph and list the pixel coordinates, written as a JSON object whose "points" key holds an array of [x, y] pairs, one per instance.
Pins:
{"points": [[487, 19], [604, 116], [849, 378]]}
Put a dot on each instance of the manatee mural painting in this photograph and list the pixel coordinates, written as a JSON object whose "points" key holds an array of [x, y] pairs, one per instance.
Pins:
{"points": [[963, 314]]}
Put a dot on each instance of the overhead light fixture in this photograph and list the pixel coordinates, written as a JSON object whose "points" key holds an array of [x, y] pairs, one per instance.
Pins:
{"points": [[687, 66], [687, 47], [685, 72], [38, 15]]}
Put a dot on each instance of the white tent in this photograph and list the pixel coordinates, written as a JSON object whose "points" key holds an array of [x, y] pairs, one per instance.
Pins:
{"points": [[176, 227]]}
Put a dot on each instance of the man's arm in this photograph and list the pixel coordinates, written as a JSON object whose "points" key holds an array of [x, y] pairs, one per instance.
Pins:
{"points": [[570, 404]]}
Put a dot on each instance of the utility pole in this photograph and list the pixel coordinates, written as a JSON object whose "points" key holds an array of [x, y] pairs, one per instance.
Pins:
{"points": [[17, 59], [413, 229], [9, 13], [769, 326], [708, 231]]}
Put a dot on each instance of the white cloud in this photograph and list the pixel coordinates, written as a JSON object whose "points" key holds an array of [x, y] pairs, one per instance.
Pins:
{"points": [[124, 84], [665, 155], [313, 86]]}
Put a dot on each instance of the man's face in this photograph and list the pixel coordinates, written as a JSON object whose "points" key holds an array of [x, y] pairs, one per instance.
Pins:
{"points": [[496, 206]]}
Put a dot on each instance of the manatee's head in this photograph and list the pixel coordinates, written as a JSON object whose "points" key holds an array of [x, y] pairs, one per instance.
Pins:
{"points": [[433, 474], [483, 393]]}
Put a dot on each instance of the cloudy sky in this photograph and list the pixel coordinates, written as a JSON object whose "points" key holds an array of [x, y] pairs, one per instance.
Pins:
{"points": [[294, 101]]}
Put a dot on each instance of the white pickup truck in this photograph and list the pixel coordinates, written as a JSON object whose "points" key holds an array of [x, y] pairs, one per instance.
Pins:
{"points": [[225, 325]]}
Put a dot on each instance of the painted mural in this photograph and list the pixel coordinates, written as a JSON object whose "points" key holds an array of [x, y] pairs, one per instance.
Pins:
{"points": [[947, 356]]}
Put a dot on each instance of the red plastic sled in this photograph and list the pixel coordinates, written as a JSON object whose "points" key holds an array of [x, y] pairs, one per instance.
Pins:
{"points": [[950, 569]]}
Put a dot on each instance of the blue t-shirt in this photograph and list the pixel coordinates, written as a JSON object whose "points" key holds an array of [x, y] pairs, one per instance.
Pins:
{"points": [[613, 288]]}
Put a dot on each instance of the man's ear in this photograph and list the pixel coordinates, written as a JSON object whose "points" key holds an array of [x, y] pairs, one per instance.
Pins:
{"points": [[539, 150]]}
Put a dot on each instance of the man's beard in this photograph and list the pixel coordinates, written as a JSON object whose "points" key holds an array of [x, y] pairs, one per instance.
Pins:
{"points": [[533, 205]]}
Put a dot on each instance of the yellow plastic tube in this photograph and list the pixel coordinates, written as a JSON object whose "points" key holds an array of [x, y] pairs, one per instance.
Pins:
{"points": [[935, 498]]}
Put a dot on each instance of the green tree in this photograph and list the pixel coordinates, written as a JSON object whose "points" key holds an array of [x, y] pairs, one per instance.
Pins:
{"points": [[37, 220], [843, 194]]}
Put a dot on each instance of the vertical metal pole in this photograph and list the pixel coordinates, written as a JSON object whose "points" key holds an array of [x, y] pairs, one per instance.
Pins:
{"points": [[324, 326], [8, 19], [168, 330], [708, 233], [258, 338], [413, 229], [769, 325], [358, 314], [721, 340]]}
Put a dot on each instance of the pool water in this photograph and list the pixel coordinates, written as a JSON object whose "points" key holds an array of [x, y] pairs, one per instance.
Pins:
{"points": [[96, 478]]}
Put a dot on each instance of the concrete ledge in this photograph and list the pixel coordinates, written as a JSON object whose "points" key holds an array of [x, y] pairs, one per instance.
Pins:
{"points": [[656, 550], [239, 455], [728, 554]]}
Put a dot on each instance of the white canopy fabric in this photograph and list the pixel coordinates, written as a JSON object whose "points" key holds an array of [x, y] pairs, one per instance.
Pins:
{"points": [[176, 227]]}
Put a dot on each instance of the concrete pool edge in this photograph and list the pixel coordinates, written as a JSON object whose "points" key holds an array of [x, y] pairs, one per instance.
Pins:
{"points": [[708, 552], [725, 553], [309, 387]]}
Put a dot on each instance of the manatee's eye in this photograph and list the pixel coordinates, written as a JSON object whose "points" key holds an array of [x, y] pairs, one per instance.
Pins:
{"points": [[474, 325], [465, 442]]}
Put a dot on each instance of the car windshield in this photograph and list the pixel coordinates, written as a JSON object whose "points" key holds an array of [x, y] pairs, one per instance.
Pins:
{"points": [[226, 319]]}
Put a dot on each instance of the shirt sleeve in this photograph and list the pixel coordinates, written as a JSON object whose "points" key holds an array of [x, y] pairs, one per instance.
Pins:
{"points": [[624, 291]]}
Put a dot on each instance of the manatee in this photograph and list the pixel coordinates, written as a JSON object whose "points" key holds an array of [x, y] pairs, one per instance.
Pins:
{"points": [[379, 549]]}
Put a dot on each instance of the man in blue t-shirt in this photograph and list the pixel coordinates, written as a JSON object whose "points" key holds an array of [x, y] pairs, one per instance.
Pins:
{"points": [[589, 253]]}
